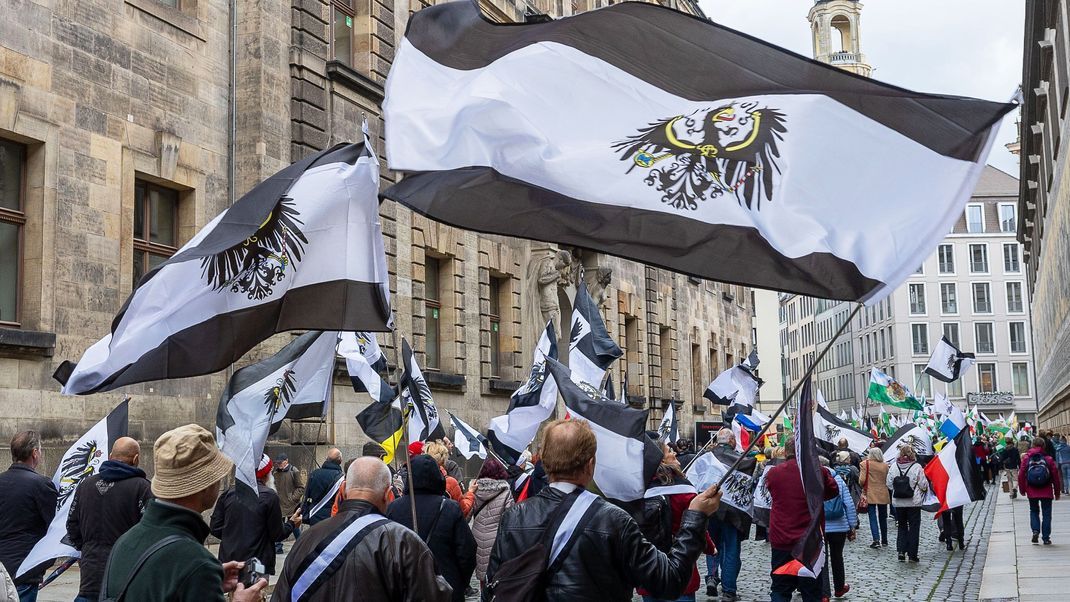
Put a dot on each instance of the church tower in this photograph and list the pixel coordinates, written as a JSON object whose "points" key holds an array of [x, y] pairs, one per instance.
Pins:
{"points": [[836, 26]]}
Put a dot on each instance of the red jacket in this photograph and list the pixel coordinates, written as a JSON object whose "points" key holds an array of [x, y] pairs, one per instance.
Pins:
{"points": [[790, 516], [1051, 490], [679, 502]]}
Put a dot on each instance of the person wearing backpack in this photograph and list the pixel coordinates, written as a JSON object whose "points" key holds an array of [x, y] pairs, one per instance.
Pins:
{"points": [[1039, 480], [660, 515], [1011, 460], [605, 556], [840, 520], [906, 479]]}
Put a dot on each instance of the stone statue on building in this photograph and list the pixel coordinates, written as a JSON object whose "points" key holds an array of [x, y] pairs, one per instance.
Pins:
{"points": [[600, 288], [554, 270]]}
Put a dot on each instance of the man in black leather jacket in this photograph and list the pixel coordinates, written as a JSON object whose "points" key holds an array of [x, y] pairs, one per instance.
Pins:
{"points": [[610, 557]]}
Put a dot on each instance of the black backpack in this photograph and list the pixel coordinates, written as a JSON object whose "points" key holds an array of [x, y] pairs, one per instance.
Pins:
{"points": [[901, 488], [654, 517], [1036, 472]]}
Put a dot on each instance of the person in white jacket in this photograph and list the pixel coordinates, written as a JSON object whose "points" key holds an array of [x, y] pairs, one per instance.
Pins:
{"points": [[8, 593], [906, 479]]}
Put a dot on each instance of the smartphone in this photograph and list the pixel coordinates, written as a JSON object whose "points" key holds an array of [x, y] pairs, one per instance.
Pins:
{"points": [[252, 572]]}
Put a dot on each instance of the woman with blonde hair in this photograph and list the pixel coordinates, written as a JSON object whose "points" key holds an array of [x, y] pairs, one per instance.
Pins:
{"points": [[906, 479], [441, 453], [873, 479]]}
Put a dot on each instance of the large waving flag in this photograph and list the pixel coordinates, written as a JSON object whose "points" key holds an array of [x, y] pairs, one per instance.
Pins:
{"points": [[953, 474], [829, 429], [808, 554], [529, 406], [909, 434], [736, 386], [293, 383], [591, 350], [627, 458], [81, 460], [468, 441], [948, 363], [716, 145], [885, 389], [303, 250], [708, 468], [424, 422]]}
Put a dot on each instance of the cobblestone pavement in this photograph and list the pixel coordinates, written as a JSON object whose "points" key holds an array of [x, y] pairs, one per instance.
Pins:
{"points": [[876, 575]]}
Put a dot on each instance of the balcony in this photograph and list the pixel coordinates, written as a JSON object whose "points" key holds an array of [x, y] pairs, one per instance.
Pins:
{"points": [[838, 58]]}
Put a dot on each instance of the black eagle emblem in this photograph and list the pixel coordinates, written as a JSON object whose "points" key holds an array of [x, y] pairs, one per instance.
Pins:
{"points": [[76, 467], [257, 264], [281, 393], [731, 149]]}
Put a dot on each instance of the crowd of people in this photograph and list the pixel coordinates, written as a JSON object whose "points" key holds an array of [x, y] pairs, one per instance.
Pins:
{"points": [[365, 529]]}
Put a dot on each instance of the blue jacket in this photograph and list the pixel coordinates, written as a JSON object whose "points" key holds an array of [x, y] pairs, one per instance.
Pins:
{"points": [[850, 517], [1062, 453]]}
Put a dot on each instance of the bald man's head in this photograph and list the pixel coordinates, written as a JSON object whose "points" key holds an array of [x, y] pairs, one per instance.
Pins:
{"points": [[368, 479], [334, 455], [125, 450]]}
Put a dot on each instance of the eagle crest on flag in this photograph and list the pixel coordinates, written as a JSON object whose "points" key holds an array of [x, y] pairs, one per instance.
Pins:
{"points": [[896, 391], [281, 392], [258, 263], [730, 149], [76, 467]]}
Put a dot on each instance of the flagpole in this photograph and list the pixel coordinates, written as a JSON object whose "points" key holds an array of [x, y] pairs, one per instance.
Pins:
{"points": [[398, 372], [787, 398]]}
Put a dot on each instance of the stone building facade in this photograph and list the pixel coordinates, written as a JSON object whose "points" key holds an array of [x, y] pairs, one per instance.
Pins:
{"points": [[1044, 202], [126, 125]]}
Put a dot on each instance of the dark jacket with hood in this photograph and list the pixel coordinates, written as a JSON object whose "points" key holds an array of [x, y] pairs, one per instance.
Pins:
{"points": [[440, 523], [320, 483], [246, 532], [105, 506]]}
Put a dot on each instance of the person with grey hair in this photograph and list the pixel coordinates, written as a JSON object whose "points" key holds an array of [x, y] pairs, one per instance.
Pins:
{"points": [[874, 480], [28, 504], [359, 554]]}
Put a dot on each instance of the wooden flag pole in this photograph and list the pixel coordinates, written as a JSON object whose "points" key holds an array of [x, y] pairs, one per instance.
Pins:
{"points": [[398, 372], [787, 398]]}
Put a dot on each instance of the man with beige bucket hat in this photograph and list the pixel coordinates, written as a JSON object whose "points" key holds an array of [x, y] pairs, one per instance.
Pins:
{"points": [[163, 557]]}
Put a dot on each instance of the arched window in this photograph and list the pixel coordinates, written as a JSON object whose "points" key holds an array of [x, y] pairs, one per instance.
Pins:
{"points": [[840, 38]]}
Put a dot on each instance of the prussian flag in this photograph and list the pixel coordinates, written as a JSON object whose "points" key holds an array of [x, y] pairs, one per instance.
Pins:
{"points": [[952, 474]]}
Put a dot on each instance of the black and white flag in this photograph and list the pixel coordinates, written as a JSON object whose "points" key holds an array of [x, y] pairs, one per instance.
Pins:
{"points": [[669, 429], [735, 386], [829, 429], [909, 434], [591, 350], [716, 145], [303, 250], [468, 441], [947, 363], [365, 362], [530, 405], [424, 423], [81, 460], [293, 383], [738, 488], [626, 458]]}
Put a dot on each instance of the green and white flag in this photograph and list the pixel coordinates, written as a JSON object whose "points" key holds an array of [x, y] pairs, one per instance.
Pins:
{"points": [[885, 389]]}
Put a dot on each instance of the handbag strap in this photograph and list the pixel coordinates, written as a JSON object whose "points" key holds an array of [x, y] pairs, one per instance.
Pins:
{"points": [[485, 504], [170, 539], [431, 529], [566, 518]]}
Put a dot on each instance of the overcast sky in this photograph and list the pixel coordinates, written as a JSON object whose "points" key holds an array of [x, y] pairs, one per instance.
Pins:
{"points": [[962, 47]]}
